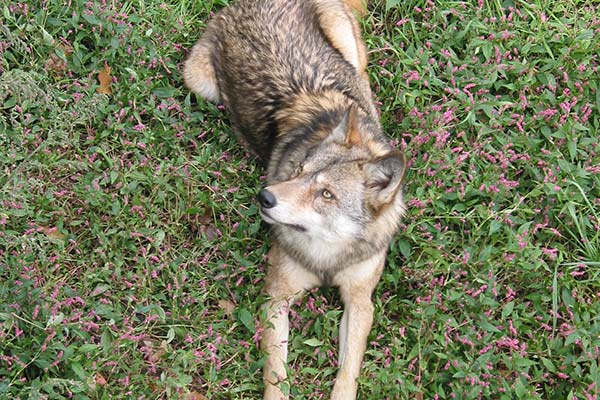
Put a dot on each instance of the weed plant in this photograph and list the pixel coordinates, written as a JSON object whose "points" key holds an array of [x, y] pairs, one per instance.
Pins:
{"points": [[132, 254]]}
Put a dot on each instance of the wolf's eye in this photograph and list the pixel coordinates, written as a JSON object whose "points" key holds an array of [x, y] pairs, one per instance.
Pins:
{"points": [[327, 195]]}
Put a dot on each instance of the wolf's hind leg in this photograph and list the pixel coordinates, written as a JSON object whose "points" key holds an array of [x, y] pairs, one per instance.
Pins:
{"points": [[343, 32], [198, 70]]}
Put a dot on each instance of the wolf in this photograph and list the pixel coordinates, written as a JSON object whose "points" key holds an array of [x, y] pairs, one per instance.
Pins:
{"points": [[292, 74]]}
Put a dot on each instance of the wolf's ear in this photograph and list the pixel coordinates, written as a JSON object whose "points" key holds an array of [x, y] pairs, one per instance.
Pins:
{"points": [[346, 132], [384, 178]]}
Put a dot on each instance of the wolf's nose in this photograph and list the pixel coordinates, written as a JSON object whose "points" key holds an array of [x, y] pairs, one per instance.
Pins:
{"points": [[266, 199]]}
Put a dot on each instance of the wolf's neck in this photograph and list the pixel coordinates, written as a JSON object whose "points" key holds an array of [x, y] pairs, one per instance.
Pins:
{"points": [[307, 109], [302, 124]]}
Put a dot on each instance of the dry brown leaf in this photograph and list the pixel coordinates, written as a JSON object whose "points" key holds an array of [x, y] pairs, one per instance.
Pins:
{"points": [[153, 387], [204, 225], [56, 64], [207, 226], [66, 48], [157, 352], [227, 305], [194, 396], [53, 233], [105, 80], [100, 380]]}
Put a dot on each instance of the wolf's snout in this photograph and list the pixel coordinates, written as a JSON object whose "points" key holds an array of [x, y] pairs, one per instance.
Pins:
{"points": [[267, 199]]}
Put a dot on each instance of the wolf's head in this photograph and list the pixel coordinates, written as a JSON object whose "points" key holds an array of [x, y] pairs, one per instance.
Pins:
{"points": [[343, 190]]}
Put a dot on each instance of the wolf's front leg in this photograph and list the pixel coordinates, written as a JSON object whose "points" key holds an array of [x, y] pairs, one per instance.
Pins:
{"points": [[274, 342], [358, 318], [285, 281], [356, 286]]}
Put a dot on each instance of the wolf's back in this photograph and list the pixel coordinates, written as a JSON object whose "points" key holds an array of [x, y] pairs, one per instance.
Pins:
{"points": [[269, 52]]}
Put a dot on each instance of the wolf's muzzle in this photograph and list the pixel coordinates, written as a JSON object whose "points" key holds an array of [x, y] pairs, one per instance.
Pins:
{"points": [[266, 199]]}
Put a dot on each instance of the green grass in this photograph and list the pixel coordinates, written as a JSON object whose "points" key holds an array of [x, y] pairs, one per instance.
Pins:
{"points": [[132, 253]]}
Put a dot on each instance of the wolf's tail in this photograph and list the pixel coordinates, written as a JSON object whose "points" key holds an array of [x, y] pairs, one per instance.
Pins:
{"points": [[357, 5]]}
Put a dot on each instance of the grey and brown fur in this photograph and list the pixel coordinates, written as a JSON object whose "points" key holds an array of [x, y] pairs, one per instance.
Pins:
{"points": [[292, 74]]}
